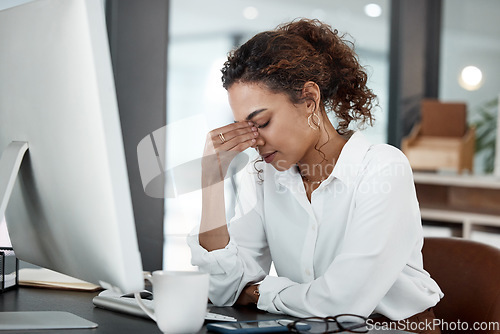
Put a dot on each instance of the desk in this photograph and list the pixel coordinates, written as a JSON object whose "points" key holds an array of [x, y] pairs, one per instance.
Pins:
{"points": [[80, 303]]}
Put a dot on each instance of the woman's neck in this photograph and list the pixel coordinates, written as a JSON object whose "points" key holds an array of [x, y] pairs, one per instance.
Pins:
{"points": [[318, 164]]}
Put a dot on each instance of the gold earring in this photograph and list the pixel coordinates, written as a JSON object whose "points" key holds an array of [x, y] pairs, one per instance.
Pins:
{"points": [[314, 121]]}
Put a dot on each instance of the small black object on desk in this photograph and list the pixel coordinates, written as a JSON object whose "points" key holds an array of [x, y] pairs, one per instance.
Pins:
{"points": [[9, 269]]}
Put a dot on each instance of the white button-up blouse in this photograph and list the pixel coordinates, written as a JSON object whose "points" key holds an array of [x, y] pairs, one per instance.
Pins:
{"points": [[354, 248]]}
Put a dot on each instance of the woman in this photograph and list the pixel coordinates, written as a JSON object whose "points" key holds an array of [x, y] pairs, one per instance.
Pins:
{"points": [[337, 216]]}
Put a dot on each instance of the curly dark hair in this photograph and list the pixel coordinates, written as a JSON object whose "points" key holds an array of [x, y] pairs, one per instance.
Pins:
{"points": [[305, 50]]}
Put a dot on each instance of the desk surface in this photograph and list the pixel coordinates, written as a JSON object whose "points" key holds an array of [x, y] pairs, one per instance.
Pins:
{"points": [[80, 303]]}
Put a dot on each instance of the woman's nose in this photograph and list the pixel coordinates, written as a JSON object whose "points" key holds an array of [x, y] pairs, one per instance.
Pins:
{"points": [[259, 142]]}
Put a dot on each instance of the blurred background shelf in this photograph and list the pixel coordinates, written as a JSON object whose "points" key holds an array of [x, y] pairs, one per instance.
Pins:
{"points": [[469, 200]]}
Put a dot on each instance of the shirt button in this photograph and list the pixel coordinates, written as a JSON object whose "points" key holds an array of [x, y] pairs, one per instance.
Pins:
{"points": [[313, 227], [308, 272]]}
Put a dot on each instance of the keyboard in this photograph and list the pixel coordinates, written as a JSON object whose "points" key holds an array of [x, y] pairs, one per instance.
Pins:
{"points": [[127, 304]]}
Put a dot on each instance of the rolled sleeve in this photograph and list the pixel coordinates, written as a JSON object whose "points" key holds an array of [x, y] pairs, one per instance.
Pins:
{"points": [[224, 267], [269, 288], [217, 262], [245, 259], [241, 262]]}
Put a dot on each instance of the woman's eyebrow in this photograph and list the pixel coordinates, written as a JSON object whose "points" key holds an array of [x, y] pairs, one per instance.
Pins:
{"points": [[255, 113]]}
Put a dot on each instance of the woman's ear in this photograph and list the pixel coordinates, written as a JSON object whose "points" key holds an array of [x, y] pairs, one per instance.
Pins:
{"points": [[312, 95]]}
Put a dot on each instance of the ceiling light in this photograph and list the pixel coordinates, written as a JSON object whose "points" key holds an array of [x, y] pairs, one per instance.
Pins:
{"points": [[471, 78], [373, 10], [250, 13]]}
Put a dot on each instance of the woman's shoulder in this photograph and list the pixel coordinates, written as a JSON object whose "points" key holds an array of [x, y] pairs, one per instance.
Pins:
{"points": [[385, 153], [387, 160], [362, 150]]}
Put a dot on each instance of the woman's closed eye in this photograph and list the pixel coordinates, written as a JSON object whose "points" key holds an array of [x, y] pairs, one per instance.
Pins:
{"points": [[263, 125]]}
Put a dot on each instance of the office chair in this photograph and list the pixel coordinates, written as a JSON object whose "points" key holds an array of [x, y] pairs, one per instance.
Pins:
{"points": [[468, 273]]}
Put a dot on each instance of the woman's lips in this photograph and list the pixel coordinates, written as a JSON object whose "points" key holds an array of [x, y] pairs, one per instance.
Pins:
{"points": [[269, 157]]}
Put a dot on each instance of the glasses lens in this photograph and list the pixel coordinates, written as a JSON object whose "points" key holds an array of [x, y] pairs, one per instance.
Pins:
{"points": [[352, 323]]}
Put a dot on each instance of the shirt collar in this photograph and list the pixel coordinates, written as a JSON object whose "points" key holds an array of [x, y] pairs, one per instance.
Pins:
{"points": [[289, 178], [346, 169], [351, 157]]}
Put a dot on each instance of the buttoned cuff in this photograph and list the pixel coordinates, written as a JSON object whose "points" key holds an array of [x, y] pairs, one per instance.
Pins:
{"points": [[269, 289]]}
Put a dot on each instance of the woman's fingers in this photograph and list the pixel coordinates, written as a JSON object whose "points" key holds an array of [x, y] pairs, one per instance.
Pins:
{"points": [[231, 134], [244, 145], [241, 141], [222, 145], [231, 131], [225, 133], [233, 126], [237, 136]]}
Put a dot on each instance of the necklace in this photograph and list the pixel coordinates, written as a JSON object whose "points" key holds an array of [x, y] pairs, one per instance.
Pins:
{"points": [[312, 182], [305, 178]]}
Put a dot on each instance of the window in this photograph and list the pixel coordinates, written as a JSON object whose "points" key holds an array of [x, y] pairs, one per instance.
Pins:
{"points": [[470, 45]]}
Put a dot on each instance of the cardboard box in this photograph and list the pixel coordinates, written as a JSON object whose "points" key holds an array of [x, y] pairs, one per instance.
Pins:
{"points": [[442, 139]]}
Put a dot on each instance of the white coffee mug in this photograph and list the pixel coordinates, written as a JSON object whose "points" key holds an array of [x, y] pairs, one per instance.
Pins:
{"points": [[180, 300]]}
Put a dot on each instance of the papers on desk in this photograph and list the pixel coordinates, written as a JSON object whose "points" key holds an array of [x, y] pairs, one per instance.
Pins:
{"points": [[45, 278]]}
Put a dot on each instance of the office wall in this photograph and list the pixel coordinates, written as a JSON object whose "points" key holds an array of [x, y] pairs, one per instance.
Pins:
{"points": [[138, 32]]}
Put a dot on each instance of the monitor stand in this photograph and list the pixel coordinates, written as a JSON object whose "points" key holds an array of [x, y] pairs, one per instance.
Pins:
{"points": [[10, 162]]}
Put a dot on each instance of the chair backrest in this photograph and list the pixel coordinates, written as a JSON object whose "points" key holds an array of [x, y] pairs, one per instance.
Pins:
{"points": [[468, 272]]}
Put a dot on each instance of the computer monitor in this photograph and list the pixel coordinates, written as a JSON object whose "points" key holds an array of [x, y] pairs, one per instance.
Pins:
{"points": [[70, 208]]}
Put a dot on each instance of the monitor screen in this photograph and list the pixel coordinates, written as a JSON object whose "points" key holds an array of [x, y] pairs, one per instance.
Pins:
{"points": [[70, 209]]}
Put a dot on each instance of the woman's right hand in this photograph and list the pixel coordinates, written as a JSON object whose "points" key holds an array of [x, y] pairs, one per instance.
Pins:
{"points": [[222, 145]]}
